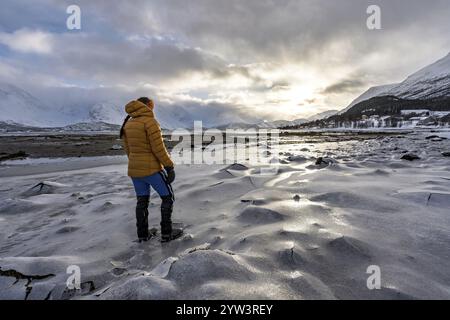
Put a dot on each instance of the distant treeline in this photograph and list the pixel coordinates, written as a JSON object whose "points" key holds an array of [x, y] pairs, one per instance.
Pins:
{"points": [[381, 106]]}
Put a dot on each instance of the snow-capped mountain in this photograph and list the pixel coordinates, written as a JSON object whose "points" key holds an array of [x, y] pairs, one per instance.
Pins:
{"points": [[430, 82], [372, 92], [19, 106], [280, 123], [296, 122], [322, 115], [107, 112], [262, 124]]}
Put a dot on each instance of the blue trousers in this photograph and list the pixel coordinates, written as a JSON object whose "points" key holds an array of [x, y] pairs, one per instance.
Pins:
{"points": [[157, 181]]}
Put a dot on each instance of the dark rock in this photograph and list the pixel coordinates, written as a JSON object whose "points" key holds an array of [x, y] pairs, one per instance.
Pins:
{"points": [[86, 288], [116, 147], [446, 154], [297, 158], [67, 229], [296, 198], [255, 202], [118, 271], [236, 167], [410, 157], [17, 155], [432, 137], [320, 161]]}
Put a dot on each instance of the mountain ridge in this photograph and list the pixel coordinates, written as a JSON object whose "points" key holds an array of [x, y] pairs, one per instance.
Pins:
{"points": [[431, 81], [29, 111]]}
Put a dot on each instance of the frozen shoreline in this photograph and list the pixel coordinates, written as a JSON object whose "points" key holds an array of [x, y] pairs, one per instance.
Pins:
{"points": [[247, 235], [36, 166]]}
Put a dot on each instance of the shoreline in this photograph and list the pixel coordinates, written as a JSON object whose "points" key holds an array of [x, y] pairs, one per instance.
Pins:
{"points": [[68, 145]]}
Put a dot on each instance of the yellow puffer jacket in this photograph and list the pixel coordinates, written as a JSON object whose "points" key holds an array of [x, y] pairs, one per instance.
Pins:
{"points": [[143, 142]]}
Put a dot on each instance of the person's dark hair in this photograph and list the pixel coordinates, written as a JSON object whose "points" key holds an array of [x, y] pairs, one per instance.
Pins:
{"points": [[145, 101], [122, 129]]}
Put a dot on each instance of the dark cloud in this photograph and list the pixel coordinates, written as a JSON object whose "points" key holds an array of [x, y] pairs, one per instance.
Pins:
{"points": [[280, 85], [344, 86], [153, 60], [255, 30], [249, 31]]}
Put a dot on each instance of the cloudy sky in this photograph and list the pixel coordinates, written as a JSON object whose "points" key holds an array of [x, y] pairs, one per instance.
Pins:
{"points": [[278, 59]]}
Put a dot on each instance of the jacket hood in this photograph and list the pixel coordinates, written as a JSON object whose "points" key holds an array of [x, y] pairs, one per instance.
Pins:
{"points": [[136, 108]]}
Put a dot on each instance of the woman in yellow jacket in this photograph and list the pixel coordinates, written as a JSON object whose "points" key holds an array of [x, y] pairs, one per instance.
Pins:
{"points": [[149, 166]]}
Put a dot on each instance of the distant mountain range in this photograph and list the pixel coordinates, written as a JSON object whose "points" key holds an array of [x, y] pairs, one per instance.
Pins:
{"points": [[425, 94], [430, 82], [11, 127], [20, 108], [279, 123], [21, 111]]}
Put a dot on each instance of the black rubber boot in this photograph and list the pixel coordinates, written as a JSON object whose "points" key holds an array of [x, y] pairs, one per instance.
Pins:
{"points": [[167, 232], [142, 218]]}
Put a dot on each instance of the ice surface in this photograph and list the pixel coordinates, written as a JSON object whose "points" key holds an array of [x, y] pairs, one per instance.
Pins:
{"points": [[247, 235]]}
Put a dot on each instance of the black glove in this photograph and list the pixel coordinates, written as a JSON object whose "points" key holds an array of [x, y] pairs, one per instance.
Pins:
{"points": [[170, 174]]}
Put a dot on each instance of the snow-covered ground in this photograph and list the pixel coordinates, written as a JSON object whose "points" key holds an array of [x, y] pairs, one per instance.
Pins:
{"points": [[310, 232]]}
